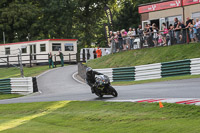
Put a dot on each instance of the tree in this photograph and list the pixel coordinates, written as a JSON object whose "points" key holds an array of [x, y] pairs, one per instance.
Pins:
{"points": [[17, 20]]}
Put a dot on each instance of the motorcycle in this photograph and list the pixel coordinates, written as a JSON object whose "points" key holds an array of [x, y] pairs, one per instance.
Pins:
{"points": [[103, 87]]}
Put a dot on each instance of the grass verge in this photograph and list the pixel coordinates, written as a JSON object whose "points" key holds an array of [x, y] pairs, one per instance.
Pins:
{"points": [[28, 71], [9, 96], [103, 117], [124, 83], [147, 56]]}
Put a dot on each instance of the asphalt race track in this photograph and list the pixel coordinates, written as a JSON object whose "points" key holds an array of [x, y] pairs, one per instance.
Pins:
{"points": [[58, 85]]}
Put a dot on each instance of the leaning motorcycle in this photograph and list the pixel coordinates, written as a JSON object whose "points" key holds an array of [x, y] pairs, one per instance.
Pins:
{"points": [[103, 87]]}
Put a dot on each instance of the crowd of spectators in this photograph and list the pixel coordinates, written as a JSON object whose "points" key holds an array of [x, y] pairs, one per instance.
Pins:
{"points": [[151, 36]]}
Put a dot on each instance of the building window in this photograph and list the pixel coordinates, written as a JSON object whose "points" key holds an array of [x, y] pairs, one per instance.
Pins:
{"points": [[7, 51], [42, 47], [69, 47], [24, 49], [56, 46], [195, 16]]}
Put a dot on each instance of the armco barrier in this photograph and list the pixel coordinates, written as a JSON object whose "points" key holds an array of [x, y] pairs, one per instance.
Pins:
{"points": [[144, 72], [18, 85], [22, 85], [153, 71], [175, 68], [124, 74], [195, 66], [5, 86]]}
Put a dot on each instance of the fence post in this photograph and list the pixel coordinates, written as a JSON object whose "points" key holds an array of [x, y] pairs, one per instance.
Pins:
{"points": [[77, 58], [18, 60], [187, 36], [30, 61], [55, 59], [69, 58], [8, 61]]}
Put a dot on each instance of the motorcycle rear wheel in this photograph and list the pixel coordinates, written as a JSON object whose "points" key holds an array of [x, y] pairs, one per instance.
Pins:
{"points": [[99, 94]]}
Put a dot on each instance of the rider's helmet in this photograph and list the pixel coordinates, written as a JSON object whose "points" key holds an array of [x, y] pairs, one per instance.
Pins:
{"points": [[89, 69]]}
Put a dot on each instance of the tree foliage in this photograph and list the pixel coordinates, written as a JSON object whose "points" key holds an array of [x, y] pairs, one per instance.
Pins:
{"points": [[81, 19]]}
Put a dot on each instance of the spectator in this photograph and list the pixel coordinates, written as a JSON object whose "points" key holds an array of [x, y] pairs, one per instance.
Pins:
{"points": [[146, 35], [61, 58], [188, 22], [124, 37], [107, 51], [177, 30], [133, 38], [165, 32], [198, 29], [50, 60], [188, 29], [155, 35], [195, 31], [140, 34], [120, 40], [98, 53], [150, 37], [110, 39], [115, 47], [171, 34], [183, 32], [191, 32], [130, 32], [160, 39], [94, 53]]}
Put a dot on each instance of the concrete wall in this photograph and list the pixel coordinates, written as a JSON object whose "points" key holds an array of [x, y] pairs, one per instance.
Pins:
{"points": [[191, 9], [144, 16], [165, 13]]}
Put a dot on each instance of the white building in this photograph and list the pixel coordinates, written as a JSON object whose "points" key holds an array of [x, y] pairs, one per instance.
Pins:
{"points": [[88, 53], [37, 51]]}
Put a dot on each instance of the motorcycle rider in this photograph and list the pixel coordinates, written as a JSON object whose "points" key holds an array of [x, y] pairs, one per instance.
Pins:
{"points": [[90, 78]]}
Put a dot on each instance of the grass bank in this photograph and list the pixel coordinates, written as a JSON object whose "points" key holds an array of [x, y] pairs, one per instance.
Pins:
{"points": [[100, 117], [147, 56], [28, 71], [9, 96]]}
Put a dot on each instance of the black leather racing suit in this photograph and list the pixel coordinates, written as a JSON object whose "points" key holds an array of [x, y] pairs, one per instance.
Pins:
{"points": [[90, 78]]}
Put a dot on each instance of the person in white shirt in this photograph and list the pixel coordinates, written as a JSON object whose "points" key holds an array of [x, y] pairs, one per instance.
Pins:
{"points": [[198, 28], [129, 34], [107, 51]]}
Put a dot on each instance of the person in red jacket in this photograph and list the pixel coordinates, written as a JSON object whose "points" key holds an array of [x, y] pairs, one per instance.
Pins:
{"points": [[99, 53]]}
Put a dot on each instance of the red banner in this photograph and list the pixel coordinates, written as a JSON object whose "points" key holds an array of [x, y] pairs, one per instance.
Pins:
{"points": [[190, 2], [160, 6]]}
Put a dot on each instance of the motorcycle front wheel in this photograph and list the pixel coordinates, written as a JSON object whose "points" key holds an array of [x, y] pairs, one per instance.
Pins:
{"points": [[113, 91]]}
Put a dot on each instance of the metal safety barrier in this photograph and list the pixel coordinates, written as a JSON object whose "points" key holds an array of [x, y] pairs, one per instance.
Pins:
{"points": [[25, 85], [175, 68], [5, 86], [124, 74], [144, 72], [154, 71]]}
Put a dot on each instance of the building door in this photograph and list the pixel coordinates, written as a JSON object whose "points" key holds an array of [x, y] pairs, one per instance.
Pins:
{"points": [[156, 22], [33, 51]]}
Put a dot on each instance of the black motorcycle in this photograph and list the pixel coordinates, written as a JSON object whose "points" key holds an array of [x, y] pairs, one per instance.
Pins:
{"points": [[103, 87]]}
